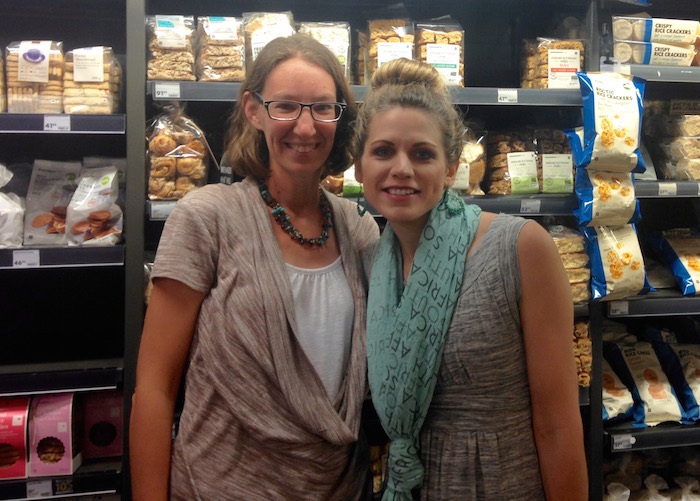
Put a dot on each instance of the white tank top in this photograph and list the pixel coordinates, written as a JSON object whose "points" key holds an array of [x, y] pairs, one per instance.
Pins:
{"points": [[324, 310]]}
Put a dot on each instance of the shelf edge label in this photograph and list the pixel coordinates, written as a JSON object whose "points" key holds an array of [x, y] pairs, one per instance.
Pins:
{"points": [[26, 258], [166, 90], [507, 96], [56, 123]]}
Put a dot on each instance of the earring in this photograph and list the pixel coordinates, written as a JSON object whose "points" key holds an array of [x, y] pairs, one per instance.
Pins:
{"points": [[361, 203], [453, 202]]}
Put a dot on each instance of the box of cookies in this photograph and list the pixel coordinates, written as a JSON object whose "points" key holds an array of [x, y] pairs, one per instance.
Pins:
{"points": [[13, 437], [55, 438], [103, 424]]}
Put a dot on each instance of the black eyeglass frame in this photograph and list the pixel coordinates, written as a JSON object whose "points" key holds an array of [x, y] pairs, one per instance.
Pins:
{"points": [[267, 104]]}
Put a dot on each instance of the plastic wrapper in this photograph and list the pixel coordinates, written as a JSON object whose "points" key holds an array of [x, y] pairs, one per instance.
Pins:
{"points": [[555, 64], [612, 117], [12, 209], [616, 261], [638, 367], [34, 76], [583, 352], [91, 81], [94, 218], [440, 43], [177, 157], [617, 399], [335, 36], [263, 27], [472, 164], [679, 250], [555, 166], [360, 54], [512, 163], [606, 198], [391, 37], [50, 191], [171, 46], [220, 50]]}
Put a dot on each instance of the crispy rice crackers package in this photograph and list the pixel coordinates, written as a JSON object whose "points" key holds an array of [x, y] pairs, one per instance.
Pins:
{"points": [[612, 118], [617, 399], [679, 250], [617, 265]]}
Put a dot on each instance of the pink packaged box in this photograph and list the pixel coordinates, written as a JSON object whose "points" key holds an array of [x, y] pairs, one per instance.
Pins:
{"points": [[55, 433], [13, 437], [103, 424]]}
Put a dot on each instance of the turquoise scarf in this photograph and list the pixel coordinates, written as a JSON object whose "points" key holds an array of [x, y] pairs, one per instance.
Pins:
{"points": [[406, 329]]}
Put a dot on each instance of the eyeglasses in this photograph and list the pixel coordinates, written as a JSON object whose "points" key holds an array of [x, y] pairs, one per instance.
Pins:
{"points": [[291, 110]]}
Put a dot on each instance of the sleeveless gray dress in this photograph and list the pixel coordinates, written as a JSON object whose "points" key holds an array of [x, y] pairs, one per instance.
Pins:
{"points": [[477, 441]]}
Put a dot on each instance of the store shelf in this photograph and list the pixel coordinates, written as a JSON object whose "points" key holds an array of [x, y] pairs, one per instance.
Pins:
{"points": [[65, 124], [623, 438], [92, 478], [61, 257], [89, 375], [228, 91], [527, 205], [653, 73], [665, 189], [664, 302]]}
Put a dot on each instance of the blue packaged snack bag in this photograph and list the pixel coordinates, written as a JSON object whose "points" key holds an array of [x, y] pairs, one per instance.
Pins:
{"points": [[605, 198], [679, 249], [612, 121]]}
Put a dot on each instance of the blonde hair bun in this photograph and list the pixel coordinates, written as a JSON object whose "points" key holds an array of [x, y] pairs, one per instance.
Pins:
{"points": [[404, 71]]}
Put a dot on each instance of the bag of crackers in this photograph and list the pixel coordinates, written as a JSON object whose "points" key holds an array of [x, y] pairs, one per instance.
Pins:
{"points": [[221, 49], [171, 45], [177, 155], [440, 43]]}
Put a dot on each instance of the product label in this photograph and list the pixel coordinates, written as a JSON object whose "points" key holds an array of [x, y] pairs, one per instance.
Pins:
{"points": [[563, 64], [670, 55], [223, 28], [88, 64], [171, 32], [260, 38], [557, 173], [445, 59], [671, 31], [522, 167], [388, 51], [33, 64]]}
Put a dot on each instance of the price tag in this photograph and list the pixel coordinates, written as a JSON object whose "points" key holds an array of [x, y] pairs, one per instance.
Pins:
{"points": [[167, 90], [530, 206], [507, 96], [63, 486], [619, 308], [622, 442], [56, 123], [39, 489], [25, 258], [668, 189], [161, 210]]}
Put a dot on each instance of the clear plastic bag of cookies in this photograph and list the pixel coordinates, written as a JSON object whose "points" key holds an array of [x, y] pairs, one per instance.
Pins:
{"points": [[34, 75], [557, 62], [91, 81], [220, 50], [94, 218], [555, 165], [177, 155], [359, 62], [263, 27], [171, 42], [528, 63], [440, 43], [472, 163], [511, 163], [390, 37], [335, 36]]}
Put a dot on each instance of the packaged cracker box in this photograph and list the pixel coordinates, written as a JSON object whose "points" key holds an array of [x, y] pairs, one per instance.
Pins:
{"points": [[104, 423]]}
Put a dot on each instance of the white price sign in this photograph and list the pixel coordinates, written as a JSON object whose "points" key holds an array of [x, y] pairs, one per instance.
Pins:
{"points": [[25, 259], [39, 489], [668, 189], [507, 96], [619, 308], [529, 206], [56, 123], [167, 90]]}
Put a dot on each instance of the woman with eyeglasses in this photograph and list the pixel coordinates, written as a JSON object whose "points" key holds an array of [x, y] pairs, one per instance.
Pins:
{"points": [[259, 301]]}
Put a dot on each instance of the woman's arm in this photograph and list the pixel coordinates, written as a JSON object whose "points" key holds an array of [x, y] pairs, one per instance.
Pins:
{"points": [[168, 329], [547, 321]]}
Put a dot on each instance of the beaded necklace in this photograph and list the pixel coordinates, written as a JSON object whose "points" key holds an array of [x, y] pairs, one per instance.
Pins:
{"points": [[284, 221]]}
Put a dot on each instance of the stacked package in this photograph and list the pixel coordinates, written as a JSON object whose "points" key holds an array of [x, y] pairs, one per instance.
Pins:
{"points": [[472, 164], [440, 43], [170, 47], [646, 40], [91, 81], [550, 63], [389, 39], [3, 92], [263, 27], [511, 163], [583, 353], [335, 36], [34, 74], [571, 246], [221, 49], [606, 154], [672, 130]]}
